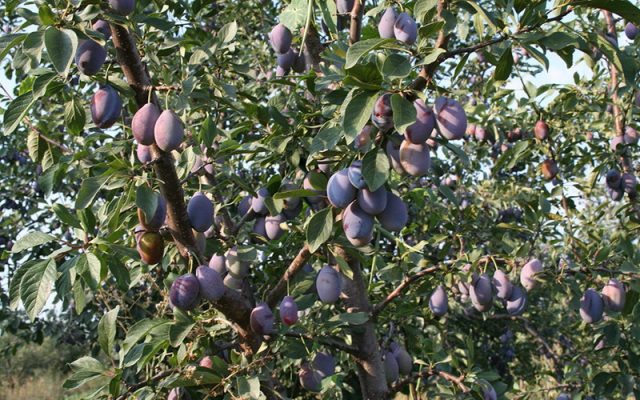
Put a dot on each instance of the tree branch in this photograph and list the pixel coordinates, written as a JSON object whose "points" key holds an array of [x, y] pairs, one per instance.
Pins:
{"points": [[296, 265], [457, 380], [327, 341], [408, 281], [356, 22]]}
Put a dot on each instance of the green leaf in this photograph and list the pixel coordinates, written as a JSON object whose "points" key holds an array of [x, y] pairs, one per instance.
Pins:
{"points": [[36, 285], [147, 200], [61, 45], [7, 42], [85, 369], [65, 216], [356, 318], [484, 14], [295, 15], [326, 139], [30, 240], [89, 189], [361, 48], [396, 66], [505, 65], [228, 32], [14, 285], [319, 229], [107, 331], [47, 17], [623, 8], [74, 116], [432, 56], [422, 7], [404, 114], [358, 112], [180, 328], [375, 169], [288, 194], [89, 262], [16, 111]]}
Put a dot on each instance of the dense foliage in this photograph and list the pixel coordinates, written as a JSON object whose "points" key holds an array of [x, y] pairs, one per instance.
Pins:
{"points": [[274, 200]]}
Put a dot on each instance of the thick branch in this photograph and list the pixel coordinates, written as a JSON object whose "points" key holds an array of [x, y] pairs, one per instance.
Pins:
{"points": [[356, 22], [408, 281], [296, 265]]}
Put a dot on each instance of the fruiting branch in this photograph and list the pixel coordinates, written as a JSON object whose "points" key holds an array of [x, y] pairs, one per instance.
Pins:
{"points": [[296, 265], [408, 281]]}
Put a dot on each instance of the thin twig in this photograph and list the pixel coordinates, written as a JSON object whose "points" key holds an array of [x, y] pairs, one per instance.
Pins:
{"points": [[327, 341], [457, 380], [408, 281], [296, 265]]}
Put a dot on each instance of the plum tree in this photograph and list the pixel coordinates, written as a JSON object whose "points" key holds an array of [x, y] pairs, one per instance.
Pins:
{"points": [[185, 291], [90, 57], [168, 131], [106, 107]]}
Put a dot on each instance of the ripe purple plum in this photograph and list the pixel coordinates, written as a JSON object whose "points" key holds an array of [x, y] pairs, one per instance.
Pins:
{"points": [[405, 28], [415, 158], [324, 363], [630, 135], [403, 358], [200, 212], [629, 183], [232, 282], [631, 31], [481, 293], [122, 7], [617, 140], [354, 172], [395, 215], [517, 301], [591, 306], [288, 311], [259, 230], [272, 226], [382, 115], [541, 130], [218, 264], [90, 57], [344, 6], [613, 179], [261, 319], [393, 153], [391, 368], [613, 295], [419, 131], [438, 302], [286, 60], [373, 203], [103, 27], [387, 21], [300, 64], [310, 378], [328, 284], [143, 153], [357, 225], [280, 38], [244, 206], [451, 119], [258, 204], [106, 106], [236, 267], [211, 285], [502, 285], [529, 272], [144, 122], [168, 131], [363, 139], [184, 292], [340, 191]]}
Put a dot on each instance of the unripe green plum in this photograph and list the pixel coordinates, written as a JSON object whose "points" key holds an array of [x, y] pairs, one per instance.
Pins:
{"points": [[325, 364], [122, 7], [261, 319], [328, 284], [90, 57], [591, 306], [150, 246], [529, 272], [211, 285], [502, 285], [373, 203], [340, 191], [451, 119], [357, 225], [168, 131], [613, 295], [280, 38], [200, 212], [395, 215], [415, 158], [144, 122], [106, 106], [438, 302], [184, 292], [387, 21], [288, 311]]}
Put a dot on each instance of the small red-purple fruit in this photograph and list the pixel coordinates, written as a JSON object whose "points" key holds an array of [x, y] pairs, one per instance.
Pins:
{"points": [[405, 29], [103, 27], [451, 119], [144, 122], [549, 169], [280, 38], [261, 319], [395, 215], [541, 130], [385, 26], [90, 57], [438, 302], [357, 225], [106, 106], [272, 226], [382, 115], [617, 140], [184, 292], [631, 31], [122, 7], [288, 311], [613, 179], [415, 158], [591, 307], [517, 301], [613, 295], [211, 285], [328, 284], [168, 131], [529, 272], [200, 212], [419, 131], [325, 364], [143, 153], [206, 362]]}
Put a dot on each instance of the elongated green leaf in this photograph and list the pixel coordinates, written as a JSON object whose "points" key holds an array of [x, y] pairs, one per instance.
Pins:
{"points": [[36, 285], [14, 285], [74, 116], [319, 229], [147, 200], [107, 331], [623, 8], [396, 66], [404, 114], [180, 328], [505, 66], [362, 48], [85, 369], [7, 42], [358, 112], [61, 45], [30, 240], [375, 169], [89, 189], [16, 112]]}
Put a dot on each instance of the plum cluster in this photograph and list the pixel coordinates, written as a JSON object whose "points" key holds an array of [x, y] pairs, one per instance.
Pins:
{"points": [[280, 38], [187, 290], [396, 361], [399, 26], [593, 304], [266, 225], [620, 183], [151, 126]]}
